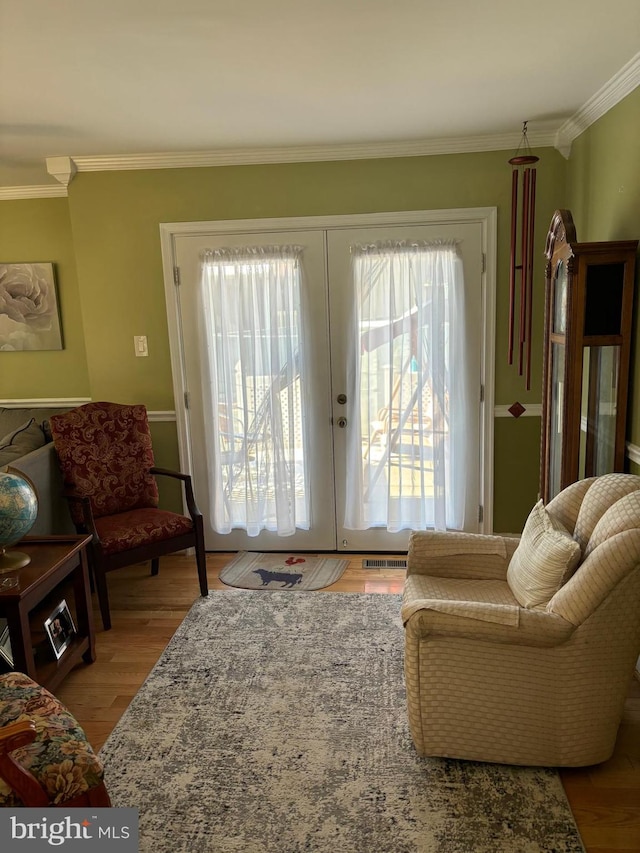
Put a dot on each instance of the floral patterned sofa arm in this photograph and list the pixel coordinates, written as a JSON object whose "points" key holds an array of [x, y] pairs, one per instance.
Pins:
{"points": [[45, 758]]}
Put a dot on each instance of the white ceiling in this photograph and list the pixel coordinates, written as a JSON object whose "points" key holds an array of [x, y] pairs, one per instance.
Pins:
{"points": [[121, 77]]}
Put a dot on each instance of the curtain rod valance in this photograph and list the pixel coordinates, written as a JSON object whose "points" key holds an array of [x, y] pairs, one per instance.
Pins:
{"points": [[388, 247], [248, 254]]}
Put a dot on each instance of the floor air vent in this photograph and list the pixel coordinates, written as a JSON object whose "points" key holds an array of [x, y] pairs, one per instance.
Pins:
{"points": [[384, 564]]}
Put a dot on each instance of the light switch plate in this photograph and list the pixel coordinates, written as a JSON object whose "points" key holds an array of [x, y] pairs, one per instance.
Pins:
{"points": [[140, 345]]}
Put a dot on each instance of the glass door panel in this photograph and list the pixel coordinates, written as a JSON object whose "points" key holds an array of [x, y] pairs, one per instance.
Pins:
{"points": [[401, 421], [560, 300], [599, 408], [555, 417], [393, 450], [264, 425]]}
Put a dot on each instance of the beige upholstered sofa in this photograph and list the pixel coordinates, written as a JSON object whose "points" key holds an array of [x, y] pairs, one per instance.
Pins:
{"points": [[493, 673]]}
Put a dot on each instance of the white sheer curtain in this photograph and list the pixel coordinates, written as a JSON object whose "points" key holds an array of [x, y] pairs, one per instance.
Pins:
{"points": [[407, 452], [251, 329]]}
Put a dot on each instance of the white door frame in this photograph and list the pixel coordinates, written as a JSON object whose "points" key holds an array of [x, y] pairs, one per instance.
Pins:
{"points": [[485, 216]]}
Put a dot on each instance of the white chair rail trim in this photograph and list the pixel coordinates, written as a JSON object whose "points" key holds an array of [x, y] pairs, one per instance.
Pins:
{"points": [[45, 403], [533, 410], [160, 416]]}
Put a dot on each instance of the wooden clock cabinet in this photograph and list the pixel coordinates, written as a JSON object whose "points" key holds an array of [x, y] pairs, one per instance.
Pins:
{"points": [[587, 339]]}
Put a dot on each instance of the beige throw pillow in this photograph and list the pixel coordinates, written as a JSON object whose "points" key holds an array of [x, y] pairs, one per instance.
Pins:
{"points": [[544, 560]]}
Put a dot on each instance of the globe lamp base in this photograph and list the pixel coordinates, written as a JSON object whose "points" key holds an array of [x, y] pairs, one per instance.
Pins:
{"points": [[12, 560]]}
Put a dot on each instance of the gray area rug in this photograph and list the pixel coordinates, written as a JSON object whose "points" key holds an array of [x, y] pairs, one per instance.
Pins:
{"points": [[252, 570], [277, 724]]}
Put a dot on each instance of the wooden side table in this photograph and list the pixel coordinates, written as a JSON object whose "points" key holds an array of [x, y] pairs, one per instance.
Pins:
{"points": [[53, 560]]}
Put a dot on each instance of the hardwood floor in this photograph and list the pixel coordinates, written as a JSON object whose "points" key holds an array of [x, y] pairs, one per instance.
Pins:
{"points": [[146, 611]]}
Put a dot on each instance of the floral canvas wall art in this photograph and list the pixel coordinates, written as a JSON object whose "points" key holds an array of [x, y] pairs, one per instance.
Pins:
{"points": [[29, 318]]}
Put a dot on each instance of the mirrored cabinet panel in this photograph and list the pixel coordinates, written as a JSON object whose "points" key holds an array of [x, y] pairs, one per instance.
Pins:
{"points": [[588, 308]]}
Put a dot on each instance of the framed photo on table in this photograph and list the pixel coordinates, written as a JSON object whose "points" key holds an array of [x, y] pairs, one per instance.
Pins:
{"points": [[60, 629], [5, 643]]}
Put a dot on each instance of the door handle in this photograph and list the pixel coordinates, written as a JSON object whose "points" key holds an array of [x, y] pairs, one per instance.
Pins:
{"points": [[342, 422]]}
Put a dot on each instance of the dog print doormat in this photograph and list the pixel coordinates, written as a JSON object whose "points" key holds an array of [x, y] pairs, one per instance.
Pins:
{"points": [[249, 570]]}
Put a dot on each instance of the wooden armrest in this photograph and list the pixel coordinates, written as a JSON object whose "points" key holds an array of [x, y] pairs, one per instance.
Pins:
{"points": [[194, 512], [13, 736], [88, 523], [168, 472]]}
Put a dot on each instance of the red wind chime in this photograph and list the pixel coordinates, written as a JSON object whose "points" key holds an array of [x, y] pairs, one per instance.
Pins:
{"points": [[524, 160]]}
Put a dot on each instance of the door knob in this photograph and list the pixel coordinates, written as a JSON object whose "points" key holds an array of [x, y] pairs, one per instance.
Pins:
{"points": [[342, 422]]}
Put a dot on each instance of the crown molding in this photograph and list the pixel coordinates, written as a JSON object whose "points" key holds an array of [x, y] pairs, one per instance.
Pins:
{"points": [[305, 154], [620, 85], [44, 191], [63, 169]]}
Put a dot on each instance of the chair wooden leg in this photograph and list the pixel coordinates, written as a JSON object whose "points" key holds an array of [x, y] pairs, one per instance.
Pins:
{"points": [[103, 597], [201, 557], [155, 565]]}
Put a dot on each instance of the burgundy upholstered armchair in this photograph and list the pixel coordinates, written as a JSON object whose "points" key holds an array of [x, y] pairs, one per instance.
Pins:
{"points": [[106, 459]]}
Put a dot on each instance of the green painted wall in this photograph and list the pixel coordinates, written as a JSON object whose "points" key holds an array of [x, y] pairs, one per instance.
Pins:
{"points": [[33, 230], [115, 244], [104, 240], [115, 218], [165, 451], [604, 197]]}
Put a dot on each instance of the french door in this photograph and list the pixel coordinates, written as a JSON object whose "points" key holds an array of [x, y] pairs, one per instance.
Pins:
{"points": [[397, 437], [393, 426], [313, 401]]}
